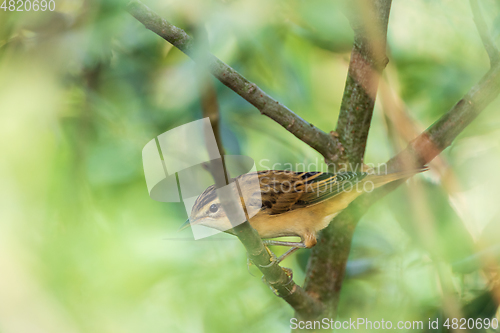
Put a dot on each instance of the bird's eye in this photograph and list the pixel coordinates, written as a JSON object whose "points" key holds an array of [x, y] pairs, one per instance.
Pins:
{"points": [[214, 208]]}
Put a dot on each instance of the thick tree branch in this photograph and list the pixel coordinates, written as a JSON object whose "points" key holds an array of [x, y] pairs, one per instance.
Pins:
{"points": [[369, 21], [322, 142], [326, 270], [482, 28]]}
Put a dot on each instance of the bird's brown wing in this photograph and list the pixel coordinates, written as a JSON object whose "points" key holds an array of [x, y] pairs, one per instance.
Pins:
{"points": [[328, 185], [282, 191], [278, 190]]}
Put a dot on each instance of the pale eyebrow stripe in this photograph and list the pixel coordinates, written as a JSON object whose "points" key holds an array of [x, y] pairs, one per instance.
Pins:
{"points": [[207, 196]]}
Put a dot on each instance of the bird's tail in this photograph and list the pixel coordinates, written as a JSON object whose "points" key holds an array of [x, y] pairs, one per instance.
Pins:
{"points": [[381, 179]]}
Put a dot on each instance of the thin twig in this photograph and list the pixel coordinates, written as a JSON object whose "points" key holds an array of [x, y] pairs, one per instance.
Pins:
{"points": [[482, 28], [322, 142], [210, 106]]}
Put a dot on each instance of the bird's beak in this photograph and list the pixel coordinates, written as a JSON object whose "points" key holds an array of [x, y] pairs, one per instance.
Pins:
{"points": [[184, 225]]}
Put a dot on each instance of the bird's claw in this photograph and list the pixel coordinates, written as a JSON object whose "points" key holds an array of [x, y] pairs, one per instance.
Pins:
{"points": [[273, 256], [274, 259], [288, 272]]}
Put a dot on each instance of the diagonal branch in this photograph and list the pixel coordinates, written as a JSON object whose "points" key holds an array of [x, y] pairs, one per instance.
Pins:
{"points": [[440, 135], [482, 28], [325, 272], [322, 142], [276, 277]]}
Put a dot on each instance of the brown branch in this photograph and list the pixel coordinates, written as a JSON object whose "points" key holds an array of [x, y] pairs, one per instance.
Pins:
{"points": [[482, 28], [322, 142], [325, 271], [368, 59]]}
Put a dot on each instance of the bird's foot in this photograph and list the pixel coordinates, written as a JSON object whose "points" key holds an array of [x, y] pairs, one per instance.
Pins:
{"points": [[288, 272], [273, 260], [286, 254], [273, 256], [282, 243]]}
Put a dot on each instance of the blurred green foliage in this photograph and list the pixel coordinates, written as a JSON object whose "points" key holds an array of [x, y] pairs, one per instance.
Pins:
{"points": [[82, 89]]}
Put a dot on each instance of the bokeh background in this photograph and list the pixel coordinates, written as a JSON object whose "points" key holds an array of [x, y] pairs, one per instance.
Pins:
{"points": [[83, 88]]}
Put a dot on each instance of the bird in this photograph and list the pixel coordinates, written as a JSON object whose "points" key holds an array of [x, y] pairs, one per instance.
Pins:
{"points": [[290, 203]]}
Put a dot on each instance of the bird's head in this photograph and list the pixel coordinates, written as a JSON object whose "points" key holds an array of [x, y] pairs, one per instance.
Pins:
{"points": [[207, 211]]}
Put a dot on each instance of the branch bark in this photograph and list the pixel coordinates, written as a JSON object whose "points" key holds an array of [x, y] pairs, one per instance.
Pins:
{"points": [[369, 21], [322, 142], [276, 277]]}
